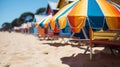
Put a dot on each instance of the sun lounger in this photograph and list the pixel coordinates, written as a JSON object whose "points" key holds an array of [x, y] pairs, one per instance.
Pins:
{"points": [[106, 42], [109, 38]]}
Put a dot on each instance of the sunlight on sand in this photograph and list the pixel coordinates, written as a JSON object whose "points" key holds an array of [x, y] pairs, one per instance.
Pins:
{"points": [[25, 50]]}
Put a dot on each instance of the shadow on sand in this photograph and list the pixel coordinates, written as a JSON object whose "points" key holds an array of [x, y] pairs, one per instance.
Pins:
{"points": [[61, 44], [57, 44], [99, 60]]}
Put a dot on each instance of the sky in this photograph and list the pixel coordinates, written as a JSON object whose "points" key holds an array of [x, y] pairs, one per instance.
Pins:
{"points": [[11, 9]]}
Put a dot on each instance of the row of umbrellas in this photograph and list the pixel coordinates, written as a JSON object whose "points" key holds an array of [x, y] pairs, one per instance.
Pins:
{"points": [[96, 13], [44, 22]]}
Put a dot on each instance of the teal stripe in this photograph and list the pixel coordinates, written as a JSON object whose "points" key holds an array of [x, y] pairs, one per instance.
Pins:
{"points": [[42, 23], [95, 14]]}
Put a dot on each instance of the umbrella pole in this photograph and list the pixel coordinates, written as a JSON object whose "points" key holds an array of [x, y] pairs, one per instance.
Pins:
{"points": [[86, 37], [72, 35], [90, 29]]}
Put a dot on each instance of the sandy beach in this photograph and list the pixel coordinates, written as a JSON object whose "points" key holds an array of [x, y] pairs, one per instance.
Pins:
{"points": [[26, 50]]}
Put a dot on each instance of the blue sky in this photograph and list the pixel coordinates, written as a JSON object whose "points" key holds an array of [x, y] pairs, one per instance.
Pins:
{"points": [[11, 9]]}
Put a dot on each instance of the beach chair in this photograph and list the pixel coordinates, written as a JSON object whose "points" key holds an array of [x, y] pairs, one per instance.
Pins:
{"points": [[110, 38]]}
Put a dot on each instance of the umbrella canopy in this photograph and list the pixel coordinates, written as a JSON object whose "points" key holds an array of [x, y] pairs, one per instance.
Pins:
{"points": [[59, 18], [44, 22], [95, 13], [116, 5]]}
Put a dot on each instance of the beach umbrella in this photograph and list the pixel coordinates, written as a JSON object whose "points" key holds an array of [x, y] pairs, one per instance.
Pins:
{"points": [[95, 13], [43, 23], [59, 19], [37, 19]]}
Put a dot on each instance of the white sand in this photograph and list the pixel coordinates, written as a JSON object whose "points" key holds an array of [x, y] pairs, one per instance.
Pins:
{"points": [[22, 50], [25, 50]]}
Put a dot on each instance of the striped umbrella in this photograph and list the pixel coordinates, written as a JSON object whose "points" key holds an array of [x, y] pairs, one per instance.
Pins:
{"points": [[95, 13], [59, 19], [44, 22]]}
